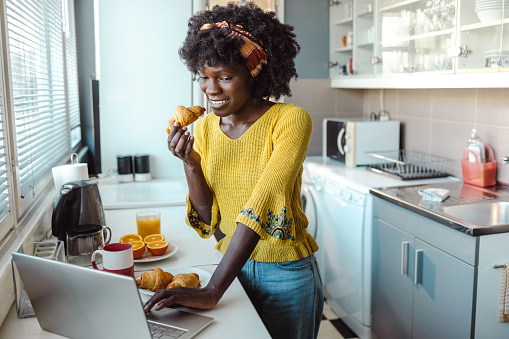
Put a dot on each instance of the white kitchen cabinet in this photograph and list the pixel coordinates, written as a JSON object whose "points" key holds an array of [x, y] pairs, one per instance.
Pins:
{"points": [[418, 44], [443, 295], [432, 281], [341, 37], [392, 290], [419, 291], [351, 52], [493, 252]]}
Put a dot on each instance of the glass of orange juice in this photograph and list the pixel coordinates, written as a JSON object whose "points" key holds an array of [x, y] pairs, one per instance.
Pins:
{"points": [[148, 222]]}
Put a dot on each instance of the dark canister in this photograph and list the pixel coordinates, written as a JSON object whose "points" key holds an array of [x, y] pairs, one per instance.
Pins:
{"points": [[142, 167], [125, 168]]}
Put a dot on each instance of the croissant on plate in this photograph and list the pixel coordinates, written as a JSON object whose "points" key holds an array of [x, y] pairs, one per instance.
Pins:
{"points": [[185, 116], [155, 280], [191, 280]]}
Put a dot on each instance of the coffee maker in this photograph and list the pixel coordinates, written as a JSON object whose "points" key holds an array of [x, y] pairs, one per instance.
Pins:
{"points": [[78, 219]]}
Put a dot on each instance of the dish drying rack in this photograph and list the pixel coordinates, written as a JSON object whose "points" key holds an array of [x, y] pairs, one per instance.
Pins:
{"points": [[408, 165]]}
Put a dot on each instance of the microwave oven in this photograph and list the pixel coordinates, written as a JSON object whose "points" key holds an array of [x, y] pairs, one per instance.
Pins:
{"points": [[349, 140]]}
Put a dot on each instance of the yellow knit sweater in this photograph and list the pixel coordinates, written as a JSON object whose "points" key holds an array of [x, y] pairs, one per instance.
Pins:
{"points": [[256, 180]]}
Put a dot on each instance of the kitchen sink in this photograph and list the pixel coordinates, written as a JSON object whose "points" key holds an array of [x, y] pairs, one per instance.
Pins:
{"points": [[484, 213]]}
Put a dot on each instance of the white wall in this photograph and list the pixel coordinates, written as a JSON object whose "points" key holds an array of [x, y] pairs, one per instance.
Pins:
{"points": [[142, 79]]}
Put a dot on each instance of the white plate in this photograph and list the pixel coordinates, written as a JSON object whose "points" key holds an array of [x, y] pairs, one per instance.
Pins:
{"points": [[148, 257], [204, 276]]}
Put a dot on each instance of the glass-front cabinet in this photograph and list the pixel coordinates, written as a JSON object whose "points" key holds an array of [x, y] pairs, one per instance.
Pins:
{"points": [[350, 54], [483, 33], [341, 38], [415, 36], [399, 44]]}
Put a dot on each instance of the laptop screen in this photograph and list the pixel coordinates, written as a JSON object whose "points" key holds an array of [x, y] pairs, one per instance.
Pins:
{"points": [[80, 302]]}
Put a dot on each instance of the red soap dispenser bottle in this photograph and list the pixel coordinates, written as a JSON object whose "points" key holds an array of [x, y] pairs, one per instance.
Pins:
{"points": [[478, 173]]}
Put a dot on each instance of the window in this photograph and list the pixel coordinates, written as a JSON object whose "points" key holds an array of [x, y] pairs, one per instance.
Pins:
{"points": [[41, 91], [6, 216], [72, 73]]}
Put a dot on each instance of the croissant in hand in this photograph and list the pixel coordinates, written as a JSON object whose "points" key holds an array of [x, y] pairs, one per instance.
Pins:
{"points": [[185, 116], [155, 280], [191, 280]]}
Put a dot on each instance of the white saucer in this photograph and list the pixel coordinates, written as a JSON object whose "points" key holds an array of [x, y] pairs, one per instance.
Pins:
{"points": [[149, 257], [204, 276]]}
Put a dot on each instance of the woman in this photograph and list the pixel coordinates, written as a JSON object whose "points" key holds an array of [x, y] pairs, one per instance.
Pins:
{"points": [[244, 169]]}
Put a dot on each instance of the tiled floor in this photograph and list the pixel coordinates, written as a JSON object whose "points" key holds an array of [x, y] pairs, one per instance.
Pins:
{"points": [[332, 327]]}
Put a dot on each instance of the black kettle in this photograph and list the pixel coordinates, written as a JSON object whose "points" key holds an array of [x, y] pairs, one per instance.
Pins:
{"points": [[78, 210]]}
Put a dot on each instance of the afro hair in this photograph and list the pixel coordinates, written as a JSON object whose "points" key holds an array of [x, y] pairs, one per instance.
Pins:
{"points": [[213, 47]]}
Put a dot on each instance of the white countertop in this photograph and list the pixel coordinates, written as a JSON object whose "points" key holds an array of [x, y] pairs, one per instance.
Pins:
{"points": [[232, 315], [358, 178], [139, 194]]}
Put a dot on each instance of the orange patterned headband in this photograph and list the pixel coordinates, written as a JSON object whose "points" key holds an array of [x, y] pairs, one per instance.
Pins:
{"points": [[252, 52]]}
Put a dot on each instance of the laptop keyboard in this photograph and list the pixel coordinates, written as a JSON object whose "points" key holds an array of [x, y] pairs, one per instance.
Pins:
{"points": [[164, 331]]}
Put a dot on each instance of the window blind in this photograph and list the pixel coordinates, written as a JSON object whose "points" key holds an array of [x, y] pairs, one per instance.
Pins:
{"points": [[36, 53], [72, 73], [4, 173]]}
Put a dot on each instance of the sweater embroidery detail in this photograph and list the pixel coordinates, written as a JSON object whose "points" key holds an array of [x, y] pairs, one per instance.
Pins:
{"points": [[196, 223], [277, 226]]}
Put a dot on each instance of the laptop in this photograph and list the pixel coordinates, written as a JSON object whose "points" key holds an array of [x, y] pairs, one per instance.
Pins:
{"points": [[79, 302]]}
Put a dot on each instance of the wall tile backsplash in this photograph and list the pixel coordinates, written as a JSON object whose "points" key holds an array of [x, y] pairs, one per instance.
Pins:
{"points": [[435, 121], [321, 101]]}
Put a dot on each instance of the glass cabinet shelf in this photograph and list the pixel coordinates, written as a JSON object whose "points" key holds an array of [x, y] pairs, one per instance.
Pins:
{"points": [[343, 49], [481, 25], [419, 36], [366, 15], [393, 5], [346, 21], [407, 44], [365, 45]]}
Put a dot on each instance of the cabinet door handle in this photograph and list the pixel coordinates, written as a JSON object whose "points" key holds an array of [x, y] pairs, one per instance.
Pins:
{"points": [[418, 267], [404, 257]]}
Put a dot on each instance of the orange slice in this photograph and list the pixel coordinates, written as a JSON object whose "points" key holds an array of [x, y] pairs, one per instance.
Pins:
{"points": [[138, 248], [153, 237], [130, 237], [157, 247]]}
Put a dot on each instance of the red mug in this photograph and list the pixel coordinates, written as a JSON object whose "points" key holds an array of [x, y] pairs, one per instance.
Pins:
{"points": [[117, 258]]}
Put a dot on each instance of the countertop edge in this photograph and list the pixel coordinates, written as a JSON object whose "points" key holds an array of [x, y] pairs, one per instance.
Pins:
{"points": [[472, 231]]}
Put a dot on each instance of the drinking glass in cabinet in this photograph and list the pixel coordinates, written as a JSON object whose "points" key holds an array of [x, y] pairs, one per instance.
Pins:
{"points": [[416, 35], [363, 37]]}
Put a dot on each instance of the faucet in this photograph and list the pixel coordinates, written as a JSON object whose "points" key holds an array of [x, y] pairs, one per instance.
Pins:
{"points": [[505, 160]]}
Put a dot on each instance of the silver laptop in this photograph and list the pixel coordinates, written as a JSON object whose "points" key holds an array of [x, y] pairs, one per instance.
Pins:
{"points": [[79, 302]]}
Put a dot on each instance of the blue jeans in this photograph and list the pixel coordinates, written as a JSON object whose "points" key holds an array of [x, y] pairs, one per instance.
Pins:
{"points": [[287, 296]]}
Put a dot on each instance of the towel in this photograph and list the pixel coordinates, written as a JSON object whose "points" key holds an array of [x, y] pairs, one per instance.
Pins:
{"points": [[434, 194], [504, 302]]}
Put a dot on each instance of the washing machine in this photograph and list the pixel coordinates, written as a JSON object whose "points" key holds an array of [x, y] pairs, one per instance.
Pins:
{"points": [[312, 196], [308, 196], [340, 223]]}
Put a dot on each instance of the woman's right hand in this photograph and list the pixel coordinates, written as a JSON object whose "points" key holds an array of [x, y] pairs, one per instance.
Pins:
{"points": [[180, 144]]}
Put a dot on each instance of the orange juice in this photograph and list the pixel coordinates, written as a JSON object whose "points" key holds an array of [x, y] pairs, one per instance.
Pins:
{"points": [[148, 223]]}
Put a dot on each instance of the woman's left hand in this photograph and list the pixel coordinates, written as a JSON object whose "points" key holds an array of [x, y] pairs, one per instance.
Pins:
{"points": [[241, 246], [182, 296]]}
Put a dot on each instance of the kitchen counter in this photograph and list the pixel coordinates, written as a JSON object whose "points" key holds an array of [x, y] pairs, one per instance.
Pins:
{"points": [[232, 315], [359, 178], [142, 194], [459, 193]]}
